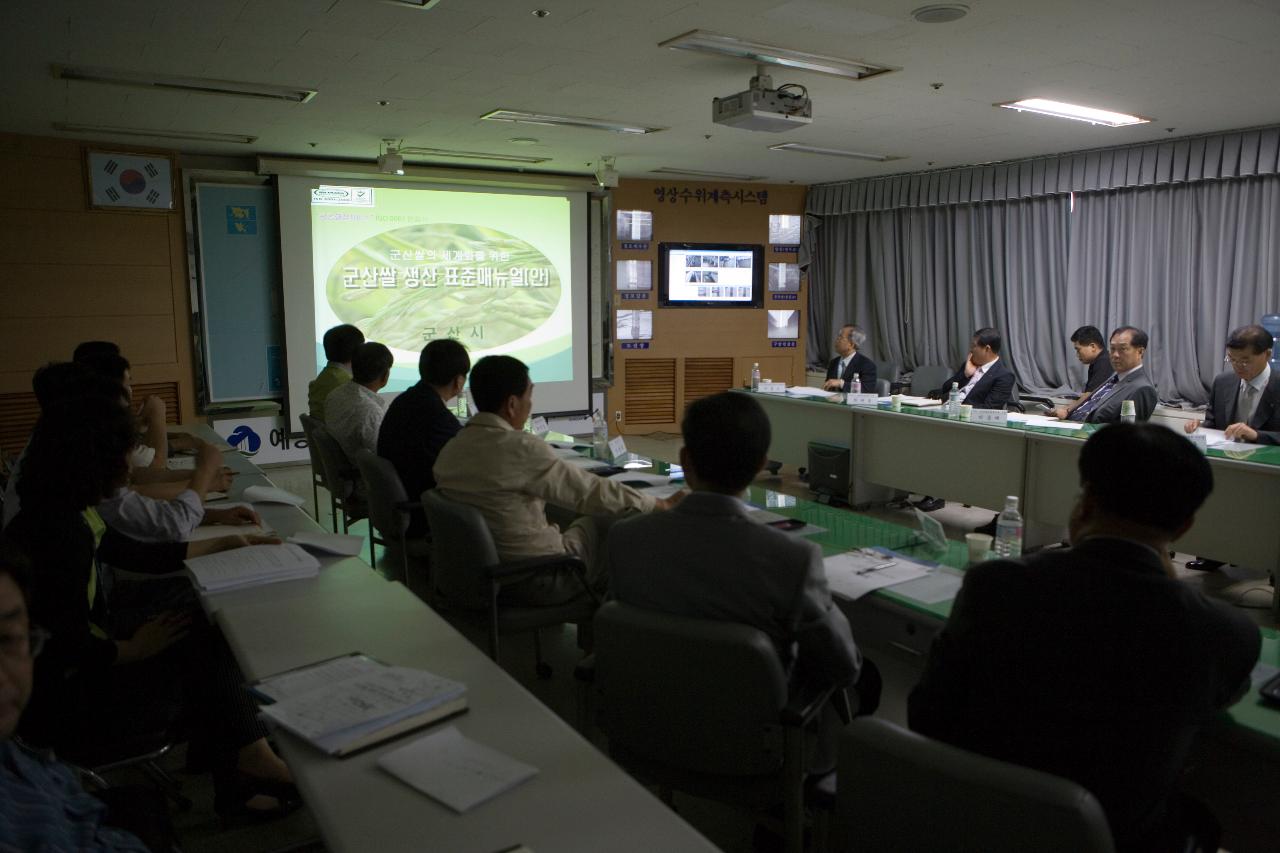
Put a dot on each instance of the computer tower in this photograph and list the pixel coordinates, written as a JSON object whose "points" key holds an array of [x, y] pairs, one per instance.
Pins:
{"points": [[829, 472]]}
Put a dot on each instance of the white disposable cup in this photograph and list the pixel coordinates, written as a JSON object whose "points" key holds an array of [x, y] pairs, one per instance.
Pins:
{"points": [[979, 546], [895, 403], [966, 412]]}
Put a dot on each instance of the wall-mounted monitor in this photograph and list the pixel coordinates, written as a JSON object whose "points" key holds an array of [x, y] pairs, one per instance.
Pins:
{"points": [[710, 275]]}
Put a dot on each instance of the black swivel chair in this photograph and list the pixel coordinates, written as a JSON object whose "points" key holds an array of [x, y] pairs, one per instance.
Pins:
{"points": [[704, 707], [468, 576], [342, 479], [390, 512]]}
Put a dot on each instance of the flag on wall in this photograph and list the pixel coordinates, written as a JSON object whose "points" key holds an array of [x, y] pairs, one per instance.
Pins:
{"points": [[130, 180]]}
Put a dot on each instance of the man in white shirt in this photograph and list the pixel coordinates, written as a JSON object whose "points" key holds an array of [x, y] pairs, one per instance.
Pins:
{"points": [[353, 411], [511, 476]]}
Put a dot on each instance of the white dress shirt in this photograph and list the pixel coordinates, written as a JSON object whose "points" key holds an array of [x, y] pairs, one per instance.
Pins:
{"points": [[353, 414]]}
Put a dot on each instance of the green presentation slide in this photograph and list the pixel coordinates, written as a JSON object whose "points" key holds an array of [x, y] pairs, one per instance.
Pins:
{"points": [[490, 269]]}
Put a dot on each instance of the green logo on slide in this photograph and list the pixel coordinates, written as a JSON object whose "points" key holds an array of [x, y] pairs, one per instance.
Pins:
{"points": [[409, 285]]}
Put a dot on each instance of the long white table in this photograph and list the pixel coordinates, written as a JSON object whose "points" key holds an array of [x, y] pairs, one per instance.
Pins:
{"points": [[579, 801]]}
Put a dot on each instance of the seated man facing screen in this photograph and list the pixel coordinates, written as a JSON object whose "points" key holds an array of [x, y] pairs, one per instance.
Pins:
{"points": [[709, 560], [353, 412], [1094, 662], [417, 424], [340, 344], [511, 475], [1129, 382], [849, 362]]}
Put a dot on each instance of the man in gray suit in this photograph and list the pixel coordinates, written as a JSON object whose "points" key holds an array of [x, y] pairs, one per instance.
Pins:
{"points": [[1244, 401], [1129, 382], [708, 559]]}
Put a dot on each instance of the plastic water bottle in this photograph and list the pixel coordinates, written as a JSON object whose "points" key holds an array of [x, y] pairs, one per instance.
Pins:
{"points": [[855, 385], [599, 436], [755, 376], [953, 403], [460, 409], [1008, 542]]}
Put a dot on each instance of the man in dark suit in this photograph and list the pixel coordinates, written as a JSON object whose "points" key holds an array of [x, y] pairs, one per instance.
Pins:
{"points": [[1244, 402], [1129, 382], [984, 380], [849, 363], [708, 559], [417, 424], [1094, 662]]}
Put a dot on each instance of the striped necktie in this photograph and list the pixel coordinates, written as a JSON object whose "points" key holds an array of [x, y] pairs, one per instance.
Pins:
{"points": [[1104, 391]]}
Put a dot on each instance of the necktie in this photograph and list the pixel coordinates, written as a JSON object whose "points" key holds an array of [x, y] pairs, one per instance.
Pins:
{"points": [[1247, 402], [1103, 392]]}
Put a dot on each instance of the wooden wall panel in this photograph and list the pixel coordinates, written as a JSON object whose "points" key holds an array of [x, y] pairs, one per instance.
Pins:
{"points": [[69, 273], [693, 338], [651, 390]]}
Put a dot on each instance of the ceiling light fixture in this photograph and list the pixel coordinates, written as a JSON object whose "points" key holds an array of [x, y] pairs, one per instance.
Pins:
{"points": [[196, 135], [834, 152], [1059, 109], [940, 13], [523, 140], [696, 173], [550, 120], [420, 5], [472, 155], [199, 85], [708, 42]]}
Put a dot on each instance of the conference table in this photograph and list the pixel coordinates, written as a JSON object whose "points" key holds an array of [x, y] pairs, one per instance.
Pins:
{"points": [[578, 801], [923, 451]]}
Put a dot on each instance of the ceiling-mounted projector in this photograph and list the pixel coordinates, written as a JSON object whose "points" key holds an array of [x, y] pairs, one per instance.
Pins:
{"points": [[764, 108]]}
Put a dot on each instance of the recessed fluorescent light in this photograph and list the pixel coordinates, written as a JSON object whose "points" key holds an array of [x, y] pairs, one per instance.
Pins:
{"points": [[708, 42], [695, 173], [199, 85], [473, 155], [940, 13], [198, 135], [1073, 111], [421, 5], [833, 152], [550, 120]]}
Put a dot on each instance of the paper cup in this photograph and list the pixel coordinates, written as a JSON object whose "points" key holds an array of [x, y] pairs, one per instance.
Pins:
{"points": [[979, 545], [895, 403], [966, 412]]}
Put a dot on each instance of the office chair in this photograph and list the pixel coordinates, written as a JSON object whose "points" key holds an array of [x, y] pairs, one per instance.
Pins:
{"points": [[704, 707], [1015, 401], [902, 791], [928, 377], [467, 574], [341, 478], [888, 370], [389, 515], [883, 387], [317, 467]]}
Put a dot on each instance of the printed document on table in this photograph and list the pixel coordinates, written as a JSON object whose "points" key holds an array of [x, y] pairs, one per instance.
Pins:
{"points": [[918, 402], [1044, 421], [330, 543], [854, 574], [805, 391], [933, 588], [1217, 439], [296, 682], [455, 770], [252, 565], [217, 531]]}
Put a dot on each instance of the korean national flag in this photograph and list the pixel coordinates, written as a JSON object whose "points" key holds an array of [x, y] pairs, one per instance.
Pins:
{"points": [[130, 180]]}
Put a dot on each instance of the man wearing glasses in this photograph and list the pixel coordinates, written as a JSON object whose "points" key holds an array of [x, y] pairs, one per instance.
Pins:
{"points": [[1129, 382], [1244, 401]]}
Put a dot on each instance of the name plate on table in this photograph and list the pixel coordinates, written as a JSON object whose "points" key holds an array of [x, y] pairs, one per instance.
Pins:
{"points": [[538, 426], [862, 399], [772, 387], [996, 417], [618, 447]]}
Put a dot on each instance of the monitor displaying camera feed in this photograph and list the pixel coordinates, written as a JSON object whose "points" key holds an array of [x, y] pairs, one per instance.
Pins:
{"points": [[636, 225], [784, 325], [784, 230], [635, 325], [784, 278], [635, 275], [710, 275]]}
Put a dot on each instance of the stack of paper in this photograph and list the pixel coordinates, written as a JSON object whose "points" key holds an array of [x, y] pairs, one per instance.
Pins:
{"points": [[1218, 440], [804, 391], [1044, 421], [254, 565], [217, 531], [455, 770], [855, 573], [918, 402], [349, 703]]}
